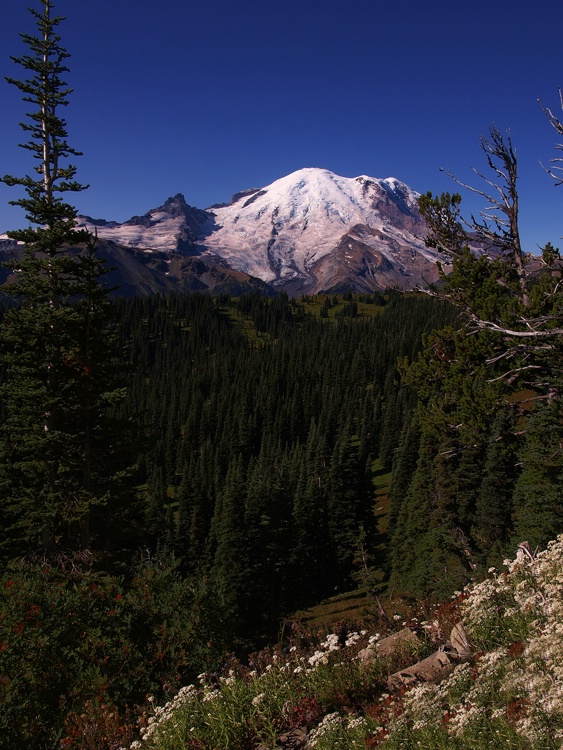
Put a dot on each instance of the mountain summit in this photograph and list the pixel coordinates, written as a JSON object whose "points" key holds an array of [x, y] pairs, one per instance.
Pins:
{"points": [[314, 230], [308, 232]]}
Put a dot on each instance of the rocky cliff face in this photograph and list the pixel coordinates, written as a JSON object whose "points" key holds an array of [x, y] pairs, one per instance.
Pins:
{"points": [[172, 227]]}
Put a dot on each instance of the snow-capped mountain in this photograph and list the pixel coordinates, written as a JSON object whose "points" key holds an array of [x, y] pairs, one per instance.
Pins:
{"points": [[173, 227], [308, 232]]}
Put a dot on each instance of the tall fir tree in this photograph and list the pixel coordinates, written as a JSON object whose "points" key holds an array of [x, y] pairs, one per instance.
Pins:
{"points": [[538, 494], [492, 522], [55, 344]]}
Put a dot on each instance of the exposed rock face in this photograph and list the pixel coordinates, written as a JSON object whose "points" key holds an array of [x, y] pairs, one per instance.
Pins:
{"points": [[238, 196], [434, 667], [438, 665], [361, 261]]}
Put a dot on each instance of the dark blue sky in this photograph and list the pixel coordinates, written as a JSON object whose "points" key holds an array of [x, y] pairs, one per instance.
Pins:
{"points": [[211, 98]]}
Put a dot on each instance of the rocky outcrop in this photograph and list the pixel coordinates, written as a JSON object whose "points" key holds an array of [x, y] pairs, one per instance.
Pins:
{"points": [[431, 669], [438, 665], [400, 641]]}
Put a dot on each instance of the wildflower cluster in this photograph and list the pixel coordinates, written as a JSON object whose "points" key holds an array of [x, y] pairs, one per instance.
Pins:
{"points": [[338, 731], [320, 690], [511, 694], [331, 643]]}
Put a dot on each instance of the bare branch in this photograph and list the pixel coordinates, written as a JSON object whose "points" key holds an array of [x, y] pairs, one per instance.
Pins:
{"points": [[513, 372], [488, 325], [554, 121], [507, 354], [555, 172]]}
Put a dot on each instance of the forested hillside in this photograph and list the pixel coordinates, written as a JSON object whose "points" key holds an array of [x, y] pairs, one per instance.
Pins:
{"points": [[248, 440], [262, 423]]}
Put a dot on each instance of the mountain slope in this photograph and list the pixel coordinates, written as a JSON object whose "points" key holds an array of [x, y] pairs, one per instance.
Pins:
{"points": [[282, 232], [137, 272], [310, 231]]}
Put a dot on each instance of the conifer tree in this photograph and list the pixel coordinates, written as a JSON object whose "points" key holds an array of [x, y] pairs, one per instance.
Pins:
{"points": [[404, 465], [538, 495], [231, 568], [349, 500], [493, 512], [55, 344]]}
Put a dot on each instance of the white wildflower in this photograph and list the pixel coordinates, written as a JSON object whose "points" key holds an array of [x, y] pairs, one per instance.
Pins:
{"points": [[331, 643], [319, 657], [352, 638], [460, 720], [329, 723], [356, 722]]}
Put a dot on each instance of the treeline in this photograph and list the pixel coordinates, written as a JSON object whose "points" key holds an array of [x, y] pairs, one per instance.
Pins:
{"points": [[261, 424], [478, 468]]}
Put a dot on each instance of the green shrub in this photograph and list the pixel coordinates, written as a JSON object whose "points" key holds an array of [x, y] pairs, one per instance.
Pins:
{"points": [[68, 642]]}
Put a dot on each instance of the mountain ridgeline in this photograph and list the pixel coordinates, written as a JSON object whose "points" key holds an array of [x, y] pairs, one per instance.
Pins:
{"points": [[309, 232]]}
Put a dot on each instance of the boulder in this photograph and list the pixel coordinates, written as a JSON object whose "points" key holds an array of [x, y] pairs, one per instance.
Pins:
{"points": [[294, 739], [399, 641], [460, 642], [431, 669]]}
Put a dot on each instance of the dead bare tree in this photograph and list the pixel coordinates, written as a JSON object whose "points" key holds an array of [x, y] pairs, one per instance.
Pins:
{"points": [[556, 171], [530, 285], [500, 288]]}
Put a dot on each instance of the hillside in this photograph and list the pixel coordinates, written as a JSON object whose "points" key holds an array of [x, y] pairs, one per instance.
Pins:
{"points": [[506, 692], [248, 430], [275, 458], [256, 487]]}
